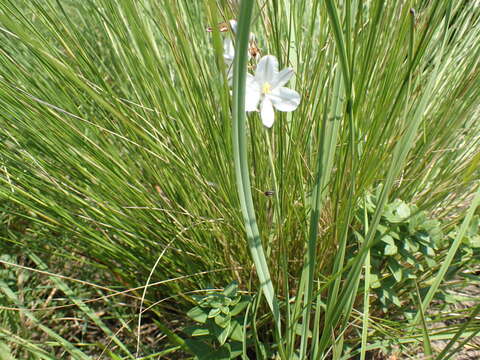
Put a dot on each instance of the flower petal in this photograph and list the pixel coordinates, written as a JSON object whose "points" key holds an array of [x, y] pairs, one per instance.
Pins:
{"points": [[228, 51], [266, 112], [252, 94], [230, 74], [282, 77], [233, 25], [267, 69], [284, 99]]}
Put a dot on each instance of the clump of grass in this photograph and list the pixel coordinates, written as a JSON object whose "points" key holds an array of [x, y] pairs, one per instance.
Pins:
{"points": [[116, 138]]}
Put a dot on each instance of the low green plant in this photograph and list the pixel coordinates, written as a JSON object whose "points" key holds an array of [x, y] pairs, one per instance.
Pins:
{"points": [[468, 256], [408, 248], [220, 331], [405, 250]]}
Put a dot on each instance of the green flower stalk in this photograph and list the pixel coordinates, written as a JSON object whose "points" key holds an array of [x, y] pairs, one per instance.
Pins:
{"points": [[241, 163]]}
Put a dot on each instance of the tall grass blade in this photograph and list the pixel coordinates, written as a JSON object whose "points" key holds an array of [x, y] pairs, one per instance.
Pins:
{"points": [[242, 172], [328, 136], [461, 332], [427, 345], [82, 306], [68, 346], [450, 255], [366, 295], [342, 307], [27, 345]]}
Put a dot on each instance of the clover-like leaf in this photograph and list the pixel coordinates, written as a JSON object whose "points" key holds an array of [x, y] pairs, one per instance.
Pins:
{"points": [[231, 289], [241, 305], [375, 281], [223, 353], [432, 264], [388, 294], [214, 312], [222, 320], [202, 350], [408, 274], [222, 336], [196, 330], [413, 246], [396, 270], [198, 314], [403, 211], [236, 329], [390, 250]]}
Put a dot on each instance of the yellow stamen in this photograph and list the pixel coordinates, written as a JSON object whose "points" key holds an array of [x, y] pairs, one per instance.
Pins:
{"points": [[267, 88]]}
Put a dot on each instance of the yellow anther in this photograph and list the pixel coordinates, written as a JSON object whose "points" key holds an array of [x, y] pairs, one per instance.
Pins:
{"points": [[267, 88]]}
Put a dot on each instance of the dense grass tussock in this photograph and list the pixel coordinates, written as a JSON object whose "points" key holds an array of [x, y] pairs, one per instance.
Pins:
{"points": [[116, 149]]}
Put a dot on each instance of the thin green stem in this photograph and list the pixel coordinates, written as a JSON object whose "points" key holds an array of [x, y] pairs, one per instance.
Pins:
{"points": [[366, 295], [242, 173]]}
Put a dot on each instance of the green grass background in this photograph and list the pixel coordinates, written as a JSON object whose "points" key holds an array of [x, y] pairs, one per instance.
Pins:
{"points": [[116, 135]]}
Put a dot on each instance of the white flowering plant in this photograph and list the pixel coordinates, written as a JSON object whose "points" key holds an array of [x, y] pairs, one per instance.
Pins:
{"points": [[266, 88], [119, 160]]}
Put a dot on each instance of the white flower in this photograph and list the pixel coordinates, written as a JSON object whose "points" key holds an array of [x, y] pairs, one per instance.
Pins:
{"points": [[233, 25], [228, 56], [229, 50], [267, 88], [253, 51]]}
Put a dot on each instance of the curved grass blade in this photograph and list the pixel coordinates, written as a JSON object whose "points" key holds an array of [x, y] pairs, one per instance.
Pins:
{"points": [[68, 346], [242, 173]]}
